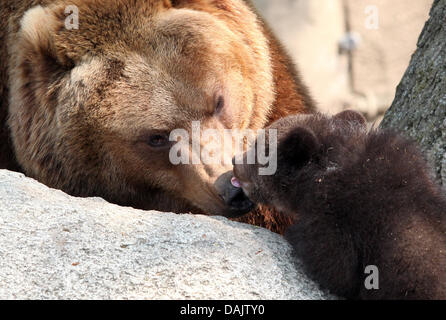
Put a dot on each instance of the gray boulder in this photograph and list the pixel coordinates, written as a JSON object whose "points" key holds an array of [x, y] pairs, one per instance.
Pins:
{"points": [[53, 246]]}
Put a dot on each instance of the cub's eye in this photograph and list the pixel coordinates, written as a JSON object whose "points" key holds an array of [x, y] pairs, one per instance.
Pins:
{"points": [[158, 140], [219, 104]]}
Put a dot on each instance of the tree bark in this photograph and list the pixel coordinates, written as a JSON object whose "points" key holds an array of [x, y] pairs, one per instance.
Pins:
{"points": [[419, 108]]}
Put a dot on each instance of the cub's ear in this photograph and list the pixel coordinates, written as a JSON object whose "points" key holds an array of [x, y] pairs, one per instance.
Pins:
{"points": [[298, 147], [351, 116]]}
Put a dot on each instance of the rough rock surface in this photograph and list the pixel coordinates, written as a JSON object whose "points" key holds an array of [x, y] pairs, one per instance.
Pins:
{"points": [[53, 246], [419, 109]]}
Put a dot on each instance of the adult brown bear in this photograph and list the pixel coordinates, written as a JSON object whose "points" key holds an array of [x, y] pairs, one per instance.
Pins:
{"points": [[88, 108]]}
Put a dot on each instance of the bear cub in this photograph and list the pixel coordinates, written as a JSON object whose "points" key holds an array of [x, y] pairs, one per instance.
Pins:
{"points": [[369, 218]]}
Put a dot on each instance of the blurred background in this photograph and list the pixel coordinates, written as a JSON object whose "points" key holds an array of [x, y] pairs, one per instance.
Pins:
{"points": [[351, 53]]}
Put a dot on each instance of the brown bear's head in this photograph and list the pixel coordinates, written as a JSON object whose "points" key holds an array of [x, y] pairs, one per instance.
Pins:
{"points": [[308, 148], [97, 86]]}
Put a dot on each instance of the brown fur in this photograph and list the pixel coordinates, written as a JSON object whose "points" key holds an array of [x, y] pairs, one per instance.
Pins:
{"points": [[82, 103], [360, 198]]}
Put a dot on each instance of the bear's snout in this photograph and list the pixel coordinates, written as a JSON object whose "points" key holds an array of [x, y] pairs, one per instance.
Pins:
{"points": [[234, 198]]}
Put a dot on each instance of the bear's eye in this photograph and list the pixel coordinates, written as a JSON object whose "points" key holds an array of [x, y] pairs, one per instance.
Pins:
{"points": [[219, 104], [158, 140]]}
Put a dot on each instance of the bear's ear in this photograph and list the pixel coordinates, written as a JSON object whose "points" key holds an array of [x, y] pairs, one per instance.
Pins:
{"points": [[176, 3], [351, 116], [36, 38], [194, 3], [298, 147], [168, 3]]}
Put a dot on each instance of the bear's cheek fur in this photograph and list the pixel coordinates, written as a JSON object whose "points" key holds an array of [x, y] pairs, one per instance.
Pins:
{"points": [[260, 189], [247, 176]]}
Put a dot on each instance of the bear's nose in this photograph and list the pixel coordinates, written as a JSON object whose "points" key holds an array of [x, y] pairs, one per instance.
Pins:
{"points": [[236, 199]]}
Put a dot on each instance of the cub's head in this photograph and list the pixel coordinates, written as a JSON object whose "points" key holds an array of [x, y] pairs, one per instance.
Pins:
{"points": [[97, 87], [308, 147]]}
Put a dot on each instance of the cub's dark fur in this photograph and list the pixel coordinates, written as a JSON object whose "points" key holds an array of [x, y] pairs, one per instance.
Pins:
{"points": [[361, 198]]}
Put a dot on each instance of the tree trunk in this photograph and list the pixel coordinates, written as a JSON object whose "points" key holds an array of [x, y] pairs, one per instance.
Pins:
{"points": [[419, 108]]}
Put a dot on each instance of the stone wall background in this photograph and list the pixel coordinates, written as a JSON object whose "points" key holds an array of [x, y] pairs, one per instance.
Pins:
{"points": [[384, 37]]}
